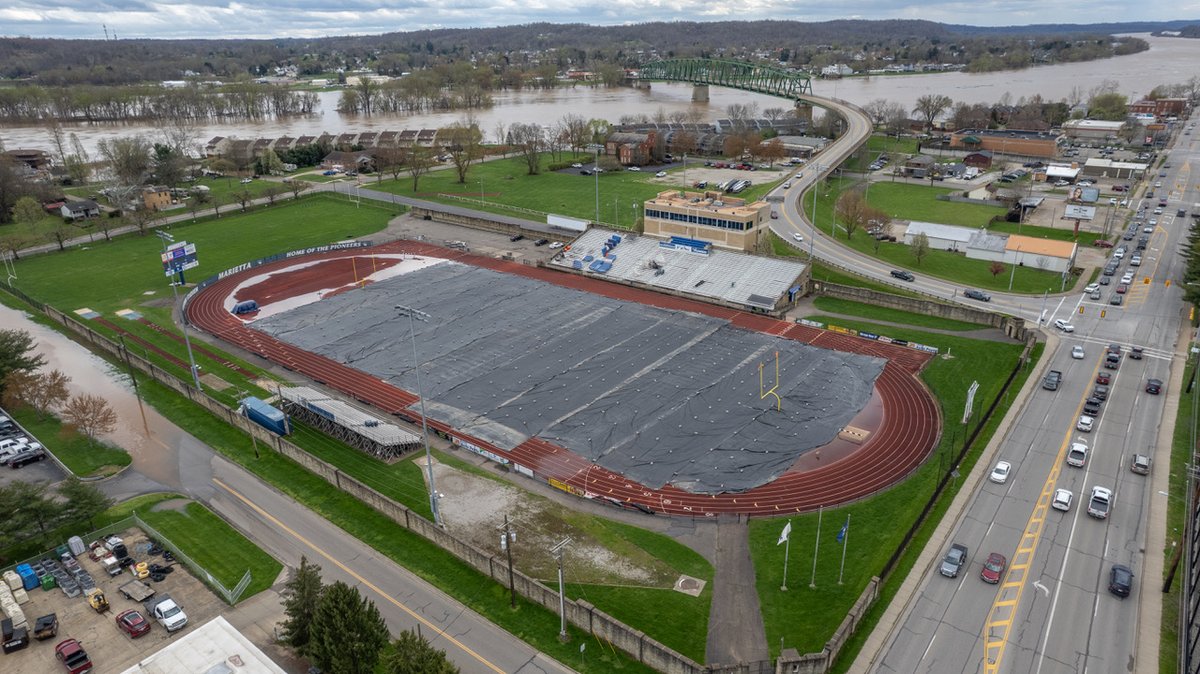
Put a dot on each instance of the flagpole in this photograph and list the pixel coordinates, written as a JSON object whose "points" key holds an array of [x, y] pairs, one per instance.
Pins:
{"points": [[817, 546], [845, 544], [787, 548]]}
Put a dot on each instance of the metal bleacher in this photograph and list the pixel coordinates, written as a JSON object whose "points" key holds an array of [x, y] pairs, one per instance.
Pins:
{"points": [[349, 424]]}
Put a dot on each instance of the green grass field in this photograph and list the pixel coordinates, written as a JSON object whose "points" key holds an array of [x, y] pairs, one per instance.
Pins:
{"points": [[118, 274], [905, 201], [84, 457], [940, 263], [194, 528], [1180, 460], [805, 618], [506, 183]]}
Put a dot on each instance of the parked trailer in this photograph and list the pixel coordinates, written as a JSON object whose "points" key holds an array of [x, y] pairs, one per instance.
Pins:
{"points": [[267, 416]]}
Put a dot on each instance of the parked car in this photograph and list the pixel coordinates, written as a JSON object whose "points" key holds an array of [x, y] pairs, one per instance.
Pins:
{"points": [[1120, 580], [541, 242], [71, 654], [26, 457], [660, 174], [133, 623], [993, 568], [516, 237]]}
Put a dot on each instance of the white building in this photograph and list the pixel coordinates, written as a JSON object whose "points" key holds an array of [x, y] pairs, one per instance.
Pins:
{"points": [[214, 647], [941, 237], [1095, 129]]}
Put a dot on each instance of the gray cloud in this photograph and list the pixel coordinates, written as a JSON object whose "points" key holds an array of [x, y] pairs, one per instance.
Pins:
{"points": [[315, 18]]}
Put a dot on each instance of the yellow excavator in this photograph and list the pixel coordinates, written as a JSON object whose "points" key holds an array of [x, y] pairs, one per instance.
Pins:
{"points": [[97, 600]]}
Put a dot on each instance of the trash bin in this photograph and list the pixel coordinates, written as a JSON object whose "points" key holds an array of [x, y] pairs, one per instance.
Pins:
{"points": [[48, 582]]}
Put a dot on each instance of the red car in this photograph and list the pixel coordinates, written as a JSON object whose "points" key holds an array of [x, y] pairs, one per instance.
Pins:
{"points": [[993, 568], [70, 652], [1104, 378], [133, 623], [1102, 243]]}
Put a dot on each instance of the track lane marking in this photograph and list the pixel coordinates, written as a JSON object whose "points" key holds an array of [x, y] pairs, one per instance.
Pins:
{"points": [[363, 581]]}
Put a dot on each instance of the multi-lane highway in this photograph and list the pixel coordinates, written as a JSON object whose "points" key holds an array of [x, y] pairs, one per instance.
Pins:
{"points": [[1052, 610]]}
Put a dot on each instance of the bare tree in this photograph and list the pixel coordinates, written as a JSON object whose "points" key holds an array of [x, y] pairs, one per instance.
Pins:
{"points": [[774, 113], [61, 231], [129, 162], [920, 247], [577, 131], [243, 197], [91, 414], [392, 160], [141, 217], [930, 106], [297, 186], [419, 163], [462, 140], [741, 111], [877, 110], [530, 141], [198, 199], [996, 268]]}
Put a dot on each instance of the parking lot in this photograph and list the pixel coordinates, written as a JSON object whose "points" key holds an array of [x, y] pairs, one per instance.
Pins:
{"points": [[43, 470], [110, 649]]}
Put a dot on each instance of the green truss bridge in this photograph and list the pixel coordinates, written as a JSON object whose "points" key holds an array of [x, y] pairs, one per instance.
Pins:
{"points": [[759, 79]]}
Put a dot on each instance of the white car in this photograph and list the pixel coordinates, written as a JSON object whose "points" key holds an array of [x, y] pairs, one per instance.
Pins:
{"points": [[1148, 229], [556, 245], [576, 165], [1062, 183], [1127, 278], [1000, 472], [635, 168], [1063, 325], [1112, 201], [798, 236], [1085, 423], [247, 181], [1077, 352], [787, 184], [1091, 288], [660, 174], [1062, 500]]}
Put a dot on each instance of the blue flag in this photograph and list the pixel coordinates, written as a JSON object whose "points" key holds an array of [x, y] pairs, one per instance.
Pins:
{"points": [[841, 535]]}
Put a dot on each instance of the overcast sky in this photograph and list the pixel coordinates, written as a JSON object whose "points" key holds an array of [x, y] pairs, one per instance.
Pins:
{"points": [[317, 18]]}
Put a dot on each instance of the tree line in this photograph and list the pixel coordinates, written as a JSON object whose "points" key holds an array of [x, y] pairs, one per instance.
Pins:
{"points": [[243, 100]]}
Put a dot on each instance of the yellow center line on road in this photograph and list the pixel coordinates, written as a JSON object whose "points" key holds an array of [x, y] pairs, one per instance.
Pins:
{"points": [[363, 581], [1004, 607]]}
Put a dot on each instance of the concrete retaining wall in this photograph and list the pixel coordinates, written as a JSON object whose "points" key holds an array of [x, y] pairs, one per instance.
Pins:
{"points": [[1012, 327]]}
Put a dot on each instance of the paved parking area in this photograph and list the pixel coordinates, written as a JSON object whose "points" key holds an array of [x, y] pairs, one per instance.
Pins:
{"points": [[110, 649]]}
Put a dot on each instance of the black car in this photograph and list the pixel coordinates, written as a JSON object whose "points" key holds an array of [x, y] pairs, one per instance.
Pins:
{"points": [[516, 237], [903, 275], [1136, 353], [1120, 580], [541, 242], [1091, 407], [1153, 386], [977, 295], [1100, 392], [1115, 300]]}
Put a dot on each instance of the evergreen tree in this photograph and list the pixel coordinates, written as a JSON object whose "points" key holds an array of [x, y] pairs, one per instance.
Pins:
{"points": [[301, 594], [84, 500], [347, 632], [412, 654]]}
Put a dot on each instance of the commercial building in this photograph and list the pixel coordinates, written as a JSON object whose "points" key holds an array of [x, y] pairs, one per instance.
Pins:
{"points": [[1008, 142], [941, 237], [631, 148], [1160, 107], [714, 217], [1091, 129], [214, 647], [980, 244], [1107, 168], [1047, 254]]}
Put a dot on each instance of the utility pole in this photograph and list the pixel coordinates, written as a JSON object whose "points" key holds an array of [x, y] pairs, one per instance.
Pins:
{"points": [[506, 541], [415, 315], [557, 551]]}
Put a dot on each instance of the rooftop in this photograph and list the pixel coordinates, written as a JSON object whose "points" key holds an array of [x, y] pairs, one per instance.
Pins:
{"points": [[708, 202], [1036, 246], [939, 231], [212, 648]]}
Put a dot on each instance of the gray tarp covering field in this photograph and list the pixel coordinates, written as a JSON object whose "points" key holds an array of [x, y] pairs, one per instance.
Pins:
{"points": [[660, 396]]}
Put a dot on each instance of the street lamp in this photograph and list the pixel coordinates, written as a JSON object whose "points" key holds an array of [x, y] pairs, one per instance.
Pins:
{"points": [[415, 315], [596, 173]]}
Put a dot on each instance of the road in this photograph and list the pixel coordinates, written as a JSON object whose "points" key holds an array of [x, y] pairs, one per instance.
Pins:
{"points": [[167, 458], [1052, 611]]}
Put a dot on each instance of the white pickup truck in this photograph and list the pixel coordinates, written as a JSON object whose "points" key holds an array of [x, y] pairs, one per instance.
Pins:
{"points": [[168, 614]]}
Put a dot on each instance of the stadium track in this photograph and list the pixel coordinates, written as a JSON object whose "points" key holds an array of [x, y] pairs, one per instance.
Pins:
{"points": [[906, 434]]}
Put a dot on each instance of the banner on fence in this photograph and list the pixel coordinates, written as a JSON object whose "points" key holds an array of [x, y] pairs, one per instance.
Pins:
{"points": [[559, 484], [811, 324], [479, 450]]}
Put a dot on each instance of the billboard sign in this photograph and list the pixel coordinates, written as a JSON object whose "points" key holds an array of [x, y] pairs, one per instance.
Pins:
{"points": [[179, 257], [1080, 212]]}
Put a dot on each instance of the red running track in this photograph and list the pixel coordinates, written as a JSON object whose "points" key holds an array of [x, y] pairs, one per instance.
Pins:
{"points": [[906, 434]]}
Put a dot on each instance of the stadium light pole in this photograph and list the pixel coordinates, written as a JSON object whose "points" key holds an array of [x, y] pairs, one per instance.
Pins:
{"points": [[415, 315], [596, 173]]}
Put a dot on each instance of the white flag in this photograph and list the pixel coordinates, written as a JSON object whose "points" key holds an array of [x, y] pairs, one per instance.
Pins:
{"points": [[787, 530]]}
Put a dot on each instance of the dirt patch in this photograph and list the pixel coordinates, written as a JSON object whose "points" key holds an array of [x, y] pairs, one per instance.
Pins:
{"points": [[473, 508], [176, 504]]}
